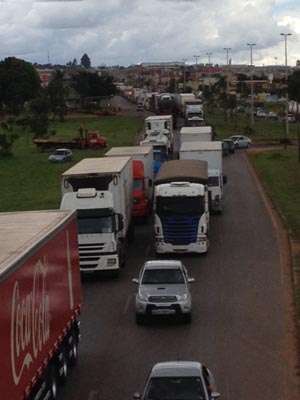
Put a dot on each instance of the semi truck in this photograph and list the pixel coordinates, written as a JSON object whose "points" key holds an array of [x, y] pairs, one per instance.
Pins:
{"points": [[182, 99], [161, 150], [142, 158], [212, 153], [158, 125], [40, 302], [194, 115], [181, 208], [100, 189], [196, 134]]}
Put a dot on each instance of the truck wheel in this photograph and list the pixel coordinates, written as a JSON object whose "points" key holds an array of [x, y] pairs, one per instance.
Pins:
{"points": [[139, 319], [187, 318], [63, 365], [73, 349], [52, 382]]}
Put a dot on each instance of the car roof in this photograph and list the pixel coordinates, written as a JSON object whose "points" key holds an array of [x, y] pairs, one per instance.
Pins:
{"points": [[153, 264], [176, 369], [62, 149]]}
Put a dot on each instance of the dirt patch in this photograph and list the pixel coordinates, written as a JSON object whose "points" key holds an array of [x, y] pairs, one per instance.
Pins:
{"points": [[290, 283]]}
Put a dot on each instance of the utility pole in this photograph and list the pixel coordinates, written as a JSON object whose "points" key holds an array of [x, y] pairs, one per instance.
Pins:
{"points": [[227, 49], [184, 60], [285, 35], [196, 58], [209, 54], [251, 45]]}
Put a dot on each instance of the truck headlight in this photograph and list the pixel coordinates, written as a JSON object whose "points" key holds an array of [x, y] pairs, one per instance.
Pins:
{"points": [[142, 297], [182, 297], [111, 262]]}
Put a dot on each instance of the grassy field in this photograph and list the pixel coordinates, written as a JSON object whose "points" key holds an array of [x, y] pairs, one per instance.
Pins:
{"points": [[280, 172], [264, 130], [30, 182]]}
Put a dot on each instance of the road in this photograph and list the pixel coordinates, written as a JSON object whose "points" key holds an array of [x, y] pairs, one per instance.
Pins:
{"points": [[239, 316]]}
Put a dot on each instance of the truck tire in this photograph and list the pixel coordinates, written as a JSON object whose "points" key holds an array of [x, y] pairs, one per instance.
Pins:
{"points": [[139, 319], [73, 349], [63, 365], [187, 318], [52, 382]]}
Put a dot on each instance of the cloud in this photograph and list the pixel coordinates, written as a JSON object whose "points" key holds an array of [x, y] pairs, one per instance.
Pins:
{"points": [[129, 31]]}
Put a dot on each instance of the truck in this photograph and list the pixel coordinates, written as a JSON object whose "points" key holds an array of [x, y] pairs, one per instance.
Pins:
{"points": [[194, 115], [158, 125], [88, 140], [212, 153], [100, 189], [181, 209], [196, 134], [181, 99], [40, 302], [161, 150], [142, 158]]}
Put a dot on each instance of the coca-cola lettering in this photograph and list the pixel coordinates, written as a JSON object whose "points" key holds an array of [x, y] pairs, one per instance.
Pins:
{"points": [[30, 321]]}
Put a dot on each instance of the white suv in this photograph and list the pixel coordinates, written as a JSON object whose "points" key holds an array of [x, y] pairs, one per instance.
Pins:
{"points": [[163, 290]]}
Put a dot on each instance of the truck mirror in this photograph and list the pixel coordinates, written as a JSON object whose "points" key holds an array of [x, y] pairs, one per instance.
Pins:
{"points": [[224, 179], [120, 222]]}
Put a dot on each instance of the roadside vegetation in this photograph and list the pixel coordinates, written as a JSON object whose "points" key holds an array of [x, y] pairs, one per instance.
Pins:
{"points": [[280, 173], [30, 182], [239, 123]]}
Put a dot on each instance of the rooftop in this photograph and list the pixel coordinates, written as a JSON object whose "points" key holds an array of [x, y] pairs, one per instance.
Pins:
{"points": [[101, 165]]}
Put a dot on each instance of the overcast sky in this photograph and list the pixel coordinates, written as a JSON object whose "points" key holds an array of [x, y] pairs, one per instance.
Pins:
{"points": [[126, 32]]}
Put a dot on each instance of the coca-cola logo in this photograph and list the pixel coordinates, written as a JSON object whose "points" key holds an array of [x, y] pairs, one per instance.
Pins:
{"points": [[30, 320]]}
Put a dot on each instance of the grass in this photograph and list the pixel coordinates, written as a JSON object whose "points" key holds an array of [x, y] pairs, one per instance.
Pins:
{"points": [[280, 172], [30, 182], [264, 130]]}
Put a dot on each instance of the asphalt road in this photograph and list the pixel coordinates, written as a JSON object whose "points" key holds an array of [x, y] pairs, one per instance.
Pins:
{"points": [[238, 327]]}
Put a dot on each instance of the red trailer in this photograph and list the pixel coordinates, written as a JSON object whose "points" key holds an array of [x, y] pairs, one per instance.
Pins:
{"points": [[40, 300], [141, 205]]}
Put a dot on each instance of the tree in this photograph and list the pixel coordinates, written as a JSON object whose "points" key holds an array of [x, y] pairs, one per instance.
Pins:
{"points": [[19, 82], [39, 115], [85, 61], [92, 85], [57, 95], [294, 86]]}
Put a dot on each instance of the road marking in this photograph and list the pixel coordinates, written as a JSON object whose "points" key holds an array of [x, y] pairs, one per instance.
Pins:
{"points": [[127, 304]]}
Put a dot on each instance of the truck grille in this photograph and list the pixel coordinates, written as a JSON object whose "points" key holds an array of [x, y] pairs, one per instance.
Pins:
{"points": [[180, 230], [162, 299], [89, 254]]}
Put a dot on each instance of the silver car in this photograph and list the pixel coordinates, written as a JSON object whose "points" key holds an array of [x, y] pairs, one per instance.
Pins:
{"points": [[163, 289], [241, 141], [61, 155], [178, 380]]}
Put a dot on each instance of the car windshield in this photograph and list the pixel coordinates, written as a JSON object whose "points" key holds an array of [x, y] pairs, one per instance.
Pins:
{"points": [[163, 276], [180, 205], [91, 222], [60, 153], [175, 388]]}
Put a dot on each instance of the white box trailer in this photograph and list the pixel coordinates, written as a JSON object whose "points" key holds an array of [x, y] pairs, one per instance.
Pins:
{"points": [[100, 189], [196, 134], [210, 151]]}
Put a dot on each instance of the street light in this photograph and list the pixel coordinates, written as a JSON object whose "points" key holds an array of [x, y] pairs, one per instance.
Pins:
{"points": [[184, 60], [196, 58], [251, 45], [227, 49], [209, 54], [285, 35]]}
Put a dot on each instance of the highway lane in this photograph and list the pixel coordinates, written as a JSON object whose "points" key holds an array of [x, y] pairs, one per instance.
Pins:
{"points": [[238, 327]]}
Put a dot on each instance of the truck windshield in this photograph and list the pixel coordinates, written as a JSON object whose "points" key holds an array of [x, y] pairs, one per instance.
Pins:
{"points": [[175, 388], [160, 155], [181, 205], [163, 276], [91, 221], [213, 181]]}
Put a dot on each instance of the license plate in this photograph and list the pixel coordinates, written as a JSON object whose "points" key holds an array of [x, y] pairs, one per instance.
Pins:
{"points": [[163, 311]]}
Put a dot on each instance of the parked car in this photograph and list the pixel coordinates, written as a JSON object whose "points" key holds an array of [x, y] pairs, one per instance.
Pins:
{"points": [[61, 155], [230, 145], [241, 141], [272, 115], [178, 380], [163, 289], [291, 118]]}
